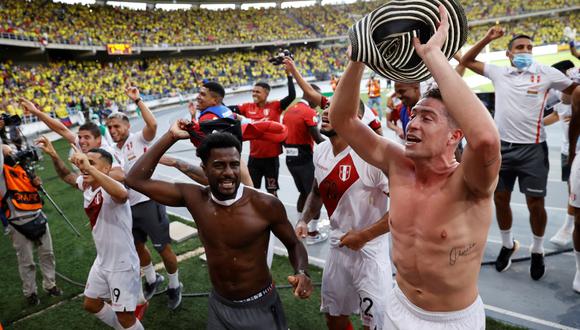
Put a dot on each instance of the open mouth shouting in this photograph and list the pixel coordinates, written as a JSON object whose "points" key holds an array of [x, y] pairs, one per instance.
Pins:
{"points": [[412, 140]]}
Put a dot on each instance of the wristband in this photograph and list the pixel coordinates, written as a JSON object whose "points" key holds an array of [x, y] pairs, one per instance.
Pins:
{"points": [[302, 272], [137, 101]]}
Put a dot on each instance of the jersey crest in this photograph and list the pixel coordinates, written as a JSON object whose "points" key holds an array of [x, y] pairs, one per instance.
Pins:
{"points": [[338, 181], [344, 172]]}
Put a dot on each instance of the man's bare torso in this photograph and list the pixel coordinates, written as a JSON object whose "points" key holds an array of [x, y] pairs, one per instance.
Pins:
{"points": [[439, 234], [235, 239]]}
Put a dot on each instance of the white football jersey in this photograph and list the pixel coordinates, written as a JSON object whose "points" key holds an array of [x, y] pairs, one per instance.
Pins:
{"points": [[111, 224], [353, 192], [135, 146]]}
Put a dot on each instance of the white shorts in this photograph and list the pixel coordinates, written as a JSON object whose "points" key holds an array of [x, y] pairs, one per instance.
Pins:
{"points": [[574, 181], [353, 283], [403, 314], [121, 287]]}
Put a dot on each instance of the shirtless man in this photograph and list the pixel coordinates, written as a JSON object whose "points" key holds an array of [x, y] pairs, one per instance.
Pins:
{"points": [[234, 224], [440, 210]]}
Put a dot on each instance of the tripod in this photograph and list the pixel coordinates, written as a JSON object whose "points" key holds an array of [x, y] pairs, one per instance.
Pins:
{"points": [[41, 188]]}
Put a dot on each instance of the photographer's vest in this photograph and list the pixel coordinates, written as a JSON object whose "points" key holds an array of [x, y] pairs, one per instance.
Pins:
{"points": [[20, 194]]}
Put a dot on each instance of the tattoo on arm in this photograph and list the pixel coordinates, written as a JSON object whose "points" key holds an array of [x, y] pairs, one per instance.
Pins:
{"points": [[462, 251], [192, 171], [64, 172], [491, 161]]}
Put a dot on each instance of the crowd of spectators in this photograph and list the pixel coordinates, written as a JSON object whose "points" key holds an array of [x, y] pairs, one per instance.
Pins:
{"points": [[543, 30], [61, 83], [48, 21]]}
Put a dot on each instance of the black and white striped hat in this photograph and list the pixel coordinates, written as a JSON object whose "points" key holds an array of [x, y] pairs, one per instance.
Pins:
{"points": [[383, 39]]}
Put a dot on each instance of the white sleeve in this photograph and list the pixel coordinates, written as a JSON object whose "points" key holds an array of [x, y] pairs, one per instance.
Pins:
{"points": [[142, 139], [491, 71], [118, 161], [372, 176], [558, 80]]}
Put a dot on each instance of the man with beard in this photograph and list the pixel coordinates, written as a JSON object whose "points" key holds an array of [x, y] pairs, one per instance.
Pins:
{"points": [[355, 196], [149, 217], [234, 224]]}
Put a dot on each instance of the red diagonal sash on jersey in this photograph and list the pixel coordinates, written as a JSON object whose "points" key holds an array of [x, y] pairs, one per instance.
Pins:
{"points": [[337, 182], [94, 208]]}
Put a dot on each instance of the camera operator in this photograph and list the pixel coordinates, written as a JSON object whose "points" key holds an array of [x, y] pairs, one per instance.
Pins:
{"points": [[263, 161], [22, 206]]}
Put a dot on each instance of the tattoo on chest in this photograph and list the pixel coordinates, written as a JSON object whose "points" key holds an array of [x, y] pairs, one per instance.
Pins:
{"points": [[462, 251]]}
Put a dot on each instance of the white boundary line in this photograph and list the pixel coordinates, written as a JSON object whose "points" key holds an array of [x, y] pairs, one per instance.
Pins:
{"points": [[527, 318]]}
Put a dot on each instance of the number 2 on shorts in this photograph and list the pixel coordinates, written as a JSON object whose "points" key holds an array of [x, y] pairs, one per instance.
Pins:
{"points": [[366, 311]]}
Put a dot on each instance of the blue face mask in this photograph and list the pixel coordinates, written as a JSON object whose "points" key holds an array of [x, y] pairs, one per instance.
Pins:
{"points": [[523, 61]]}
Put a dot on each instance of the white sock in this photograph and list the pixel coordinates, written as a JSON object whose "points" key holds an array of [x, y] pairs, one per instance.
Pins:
{"points": [[569, 223], [577, 253], [173, 280], [141, 298], [108, 316], [507, 240], [149, 272], [313, 225], [136, 326], [538, 245]]}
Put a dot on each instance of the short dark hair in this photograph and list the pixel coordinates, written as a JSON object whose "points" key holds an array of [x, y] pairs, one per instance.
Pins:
{"points": [[92, 128], [264, 85], [218, 140], [516, 37], [104, 154], [215, 87], [435, 93], [316, 88], [119, 115]]}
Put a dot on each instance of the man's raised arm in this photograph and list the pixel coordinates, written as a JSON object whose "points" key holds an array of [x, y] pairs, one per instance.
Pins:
{"points": [[139, 178], [64, 173], [344, 119], [285, 102], [481, 158], [309, 93], [52, 123], [469, 61], [150, 128]]}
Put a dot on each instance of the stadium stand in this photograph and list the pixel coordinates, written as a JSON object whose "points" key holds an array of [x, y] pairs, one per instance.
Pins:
{"points": [[57, 83], [66, 82], [74, 24]]}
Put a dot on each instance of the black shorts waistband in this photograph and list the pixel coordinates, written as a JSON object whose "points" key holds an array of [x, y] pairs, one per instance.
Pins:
{"points": [[260, 295], [511, 144]]}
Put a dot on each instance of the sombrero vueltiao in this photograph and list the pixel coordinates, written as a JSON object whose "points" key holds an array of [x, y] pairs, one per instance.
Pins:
{"points": [[383, 39]]}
